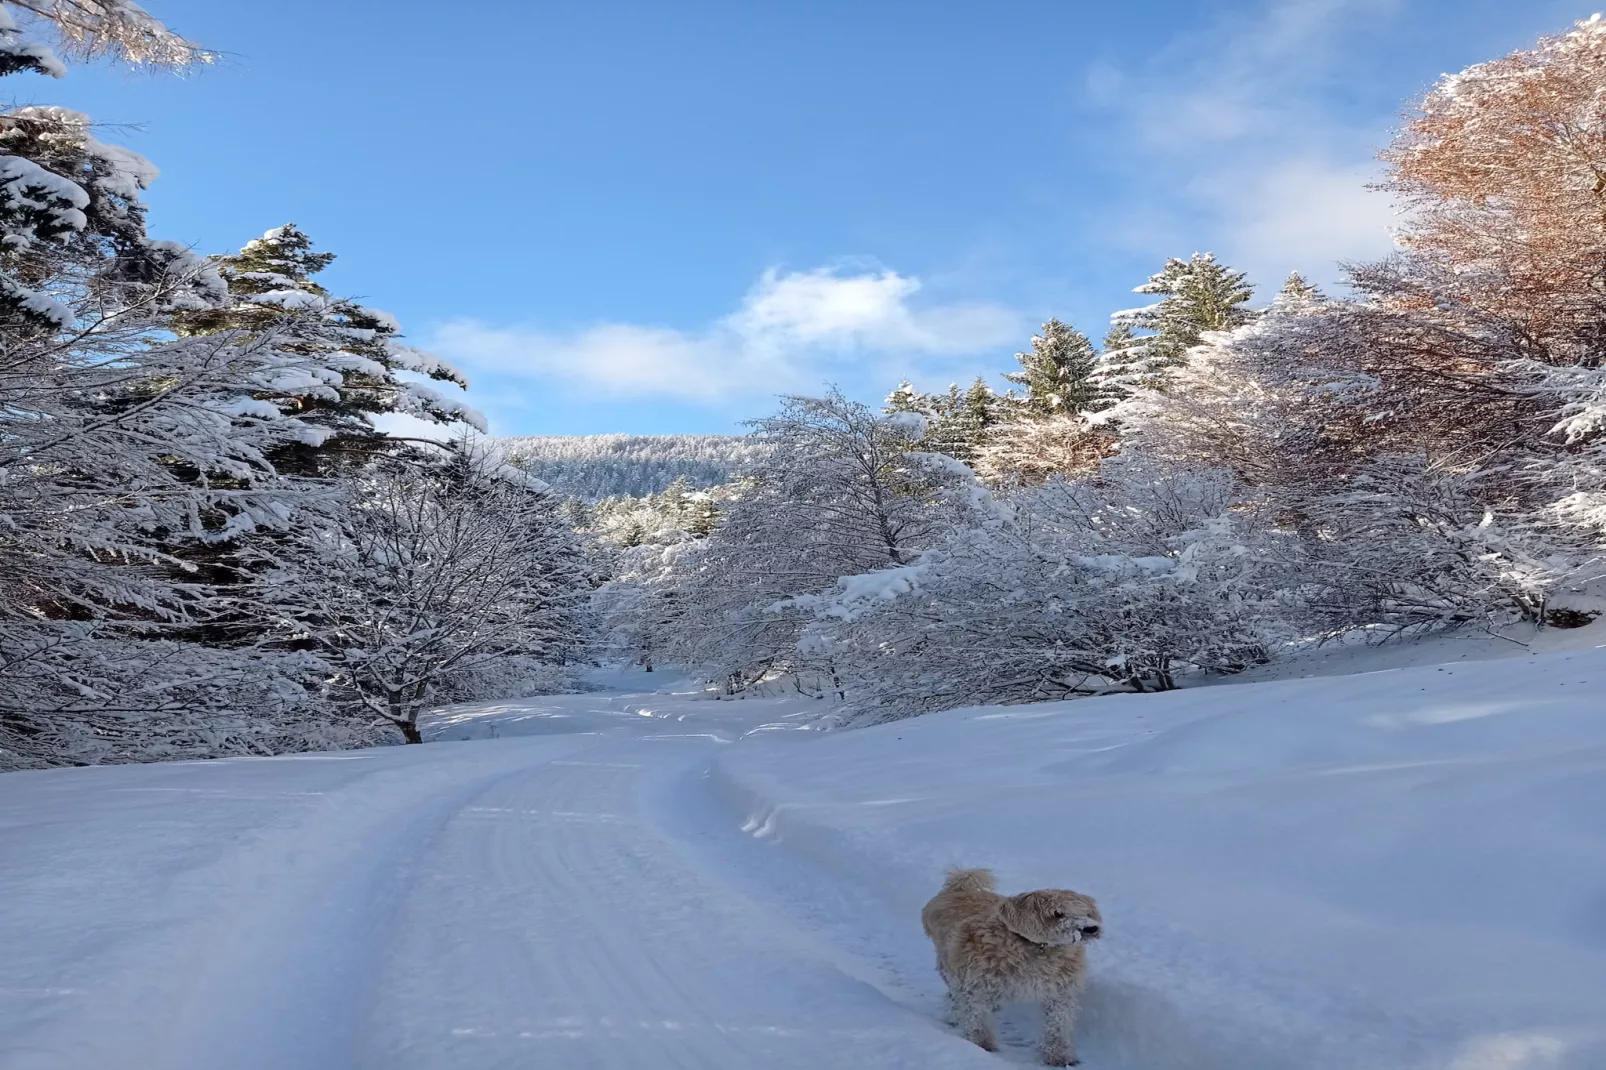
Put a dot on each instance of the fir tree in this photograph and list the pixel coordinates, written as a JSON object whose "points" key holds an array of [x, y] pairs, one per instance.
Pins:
{"points": [[1196, 295], [906, 399], [1113, 366], [355, 350], [1057, 373], [957, 422], [124, 448], [701, 516], [979, 409], [672, 502], [1297, 291], [576, 513], [943, 431]]}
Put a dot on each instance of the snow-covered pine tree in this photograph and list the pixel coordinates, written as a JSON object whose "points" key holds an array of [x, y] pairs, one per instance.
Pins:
{"points": [[1196, 295], [980, 410], [905, 398], [121, 445], [18, 54], [957, 423], [357, 351], [1113, 366], [942, 429], [1296, 289], [1057, 372], [686, 509]]}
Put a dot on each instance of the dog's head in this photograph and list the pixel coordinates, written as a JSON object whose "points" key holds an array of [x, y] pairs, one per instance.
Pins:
{"points": [[1052, 916]]}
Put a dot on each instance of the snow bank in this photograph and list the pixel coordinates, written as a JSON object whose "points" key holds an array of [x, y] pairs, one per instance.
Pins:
{"points": [[1401, 869]]}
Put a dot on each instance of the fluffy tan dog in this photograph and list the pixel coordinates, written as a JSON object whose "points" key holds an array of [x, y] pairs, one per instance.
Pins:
{"points": [[994, 949]]}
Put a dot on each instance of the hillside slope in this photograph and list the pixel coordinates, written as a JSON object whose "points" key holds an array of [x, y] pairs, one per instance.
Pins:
{"points": [[593, 467]]}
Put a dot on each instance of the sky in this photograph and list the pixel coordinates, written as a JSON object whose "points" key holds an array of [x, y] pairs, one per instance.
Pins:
{"points": [[654, 217]]}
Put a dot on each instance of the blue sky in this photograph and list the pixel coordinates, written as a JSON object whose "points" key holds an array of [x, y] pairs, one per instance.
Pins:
{"points": [[652, 217]]}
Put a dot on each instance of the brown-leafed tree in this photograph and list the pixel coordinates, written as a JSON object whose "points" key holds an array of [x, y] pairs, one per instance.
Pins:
{"points": [[1437, 438]]}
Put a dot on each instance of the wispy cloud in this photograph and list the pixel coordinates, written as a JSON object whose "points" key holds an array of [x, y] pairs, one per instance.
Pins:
{"points": [[1253, 154], [792, 331]]}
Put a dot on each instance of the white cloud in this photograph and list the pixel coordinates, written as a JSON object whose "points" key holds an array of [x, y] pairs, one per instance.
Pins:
{"points": [[791, 331], [1239, 117], [1303, 214]]}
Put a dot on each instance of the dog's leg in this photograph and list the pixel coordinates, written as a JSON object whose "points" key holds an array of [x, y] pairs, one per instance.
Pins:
{"points": [[950, 1005], [974, 1008], [1059, 1023]]}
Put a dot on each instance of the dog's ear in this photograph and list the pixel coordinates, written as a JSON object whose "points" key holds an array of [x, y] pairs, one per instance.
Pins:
{"points": [[1020, 916]]}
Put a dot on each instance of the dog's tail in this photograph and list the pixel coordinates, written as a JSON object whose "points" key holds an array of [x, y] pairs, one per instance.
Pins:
{"points": [[968, 880]]}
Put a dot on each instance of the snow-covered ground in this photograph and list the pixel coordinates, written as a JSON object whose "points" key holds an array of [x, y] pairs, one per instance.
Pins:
{"points": [[1403, 869]]}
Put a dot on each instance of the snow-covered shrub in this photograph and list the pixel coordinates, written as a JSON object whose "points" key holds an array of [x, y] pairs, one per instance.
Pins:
{"points": [[1121, 584], [1030, 451], [512, 677]]}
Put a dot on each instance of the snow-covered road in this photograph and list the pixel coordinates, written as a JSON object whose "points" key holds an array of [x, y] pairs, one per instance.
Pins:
{"points": [[1389, 870], [511, 903]]}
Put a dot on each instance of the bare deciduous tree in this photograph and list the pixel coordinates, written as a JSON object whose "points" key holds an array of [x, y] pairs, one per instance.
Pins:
{"points": [[438, 568]]}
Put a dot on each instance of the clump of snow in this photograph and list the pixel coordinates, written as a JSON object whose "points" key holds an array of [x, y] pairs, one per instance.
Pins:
{"points": [[911, 425], [854, 594], [289, 300]]}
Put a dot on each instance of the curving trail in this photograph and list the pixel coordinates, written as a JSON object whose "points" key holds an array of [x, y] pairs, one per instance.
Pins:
{"points": [[469, 904]]}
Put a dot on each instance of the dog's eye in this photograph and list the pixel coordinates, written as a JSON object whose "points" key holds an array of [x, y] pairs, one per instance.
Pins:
{"points": [[1059, 914]]}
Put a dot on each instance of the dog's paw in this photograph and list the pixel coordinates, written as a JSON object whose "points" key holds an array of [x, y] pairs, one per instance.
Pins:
{"points": [[1060, 1058]]}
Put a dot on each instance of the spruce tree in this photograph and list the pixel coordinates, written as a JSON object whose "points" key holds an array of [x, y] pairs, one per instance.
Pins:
{"points": [[671, 501], [576, 513], [960, 421], [957, 422], [1057, 372]]}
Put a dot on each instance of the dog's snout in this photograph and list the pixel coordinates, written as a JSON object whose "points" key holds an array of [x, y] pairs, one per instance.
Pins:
{"points": [[1090, 929]]}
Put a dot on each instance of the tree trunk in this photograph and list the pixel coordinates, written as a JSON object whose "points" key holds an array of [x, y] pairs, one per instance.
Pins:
{"points": [[410, 732]]}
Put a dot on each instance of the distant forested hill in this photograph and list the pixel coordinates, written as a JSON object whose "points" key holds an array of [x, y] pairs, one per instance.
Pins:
{"points": [[593, 467]]}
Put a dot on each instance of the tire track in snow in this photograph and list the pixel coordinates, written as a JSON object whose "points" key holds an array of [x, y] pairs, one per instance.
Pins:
{"points": [[556, 926], [272, 970]]}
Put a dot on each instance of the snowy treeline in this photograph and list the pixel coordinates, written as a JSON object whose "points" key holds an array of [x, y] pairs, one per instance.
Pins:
{"points": [[205, 546], [594, 467], [1220, 483]]}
